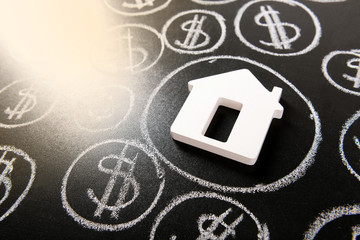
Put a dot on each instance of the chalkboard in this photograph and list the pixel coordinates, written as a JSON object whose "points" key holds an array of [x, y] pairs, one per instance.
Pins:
{"points": [[90, 89]]}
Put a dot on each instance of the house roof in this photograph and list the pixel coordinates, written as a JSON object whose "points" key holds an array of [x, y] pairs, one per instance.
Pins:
{"points": [[239, 86]]}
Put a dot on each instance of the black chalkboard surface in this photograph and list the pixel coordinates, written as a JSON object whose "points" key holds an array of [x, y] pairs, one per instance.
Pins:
{"points": [[89, 91]]}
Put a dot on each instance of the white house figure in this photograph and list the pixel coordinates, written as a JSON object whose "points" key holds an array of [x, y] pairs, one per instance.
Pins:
{"points": [[239, 90]]}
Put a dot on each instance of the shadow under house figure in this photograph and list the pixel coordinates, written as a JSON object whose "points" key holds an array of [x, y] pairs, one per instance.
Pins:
{"points": [[239, 90]]}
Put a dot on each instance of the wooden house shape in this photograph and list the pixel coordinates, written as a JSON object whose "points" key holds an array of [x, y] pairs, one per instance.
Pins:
{"points": [[239, 90]]}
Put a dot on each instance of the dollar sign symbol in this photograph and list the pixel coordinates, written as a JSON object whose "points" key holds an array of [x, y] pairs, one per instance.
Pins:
{"points": [[129, 181], [132, 53], [26, 104], [208, 233], [354, 63], [139, 4], [194, 32], [276, 28], [4, 176]]}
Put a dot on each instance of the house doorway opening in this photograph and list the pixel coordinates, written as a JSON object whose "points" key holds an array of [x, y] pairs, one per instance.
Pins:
{"points": [[222, 123]]}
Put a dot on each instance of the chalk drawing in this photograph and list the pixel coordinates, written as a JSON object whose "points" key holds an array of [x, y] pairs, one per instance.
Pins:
{"points": [[293, 176], [5, 175], [196, 40], [129, 181], [194, 32], [270, 19], [10, 169], [136, 7], [104, 109], [328, 216], [26, 103], [21, 105], [327, 1], [130, 48], [355, 232], [276, 27], [209, 232], [353, 63], [212, 2], [355, 139], [216, 220], [131, 158]]}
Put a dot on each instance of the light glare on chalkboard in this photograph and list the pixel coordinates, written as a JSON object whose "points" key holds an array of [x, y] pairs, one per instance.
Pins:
{"points": [[52, 38]]}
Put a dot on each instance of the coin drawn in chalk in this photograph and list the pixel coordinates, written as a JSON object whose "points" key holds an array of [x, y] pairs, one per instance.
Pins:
{"points": [[342, 70], [349, 145], [273, 169], [194, 32], [25, 102], [212, 216], [276, 29], [136, 7], [112, 185], [129, 48], [341, 222], [17, 173], [104, 109], [213, 2]]}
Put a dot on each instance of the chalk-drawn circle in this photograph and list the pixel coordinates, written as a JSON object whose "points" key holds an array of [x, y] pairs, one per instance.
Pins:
{"points": [[350, 157], [20, 99], [104, 109], [328, 216], [213, 2], [312, 43], [209, 47], [128, 48], [225, 203], [203, 167], [343, 85], [14, 179], [127, 177], [137, 8]]}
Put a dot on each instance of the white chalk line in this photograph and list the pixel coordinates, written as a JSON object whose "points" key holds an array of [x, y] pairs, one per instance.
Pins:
{"points": [[140, 13], [325, 62], [220, 19], [284, 181], [327, 1], [209, 2], [328, 216], [208, 233], [355, 231], [263, 233], [131, 104], [357, 142], [129, 179], [141, 26], [29, 122], [112, 227], [278, 35], [191, 37], [4, 177], [26, 157], [343, 132], [315, 42]]}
